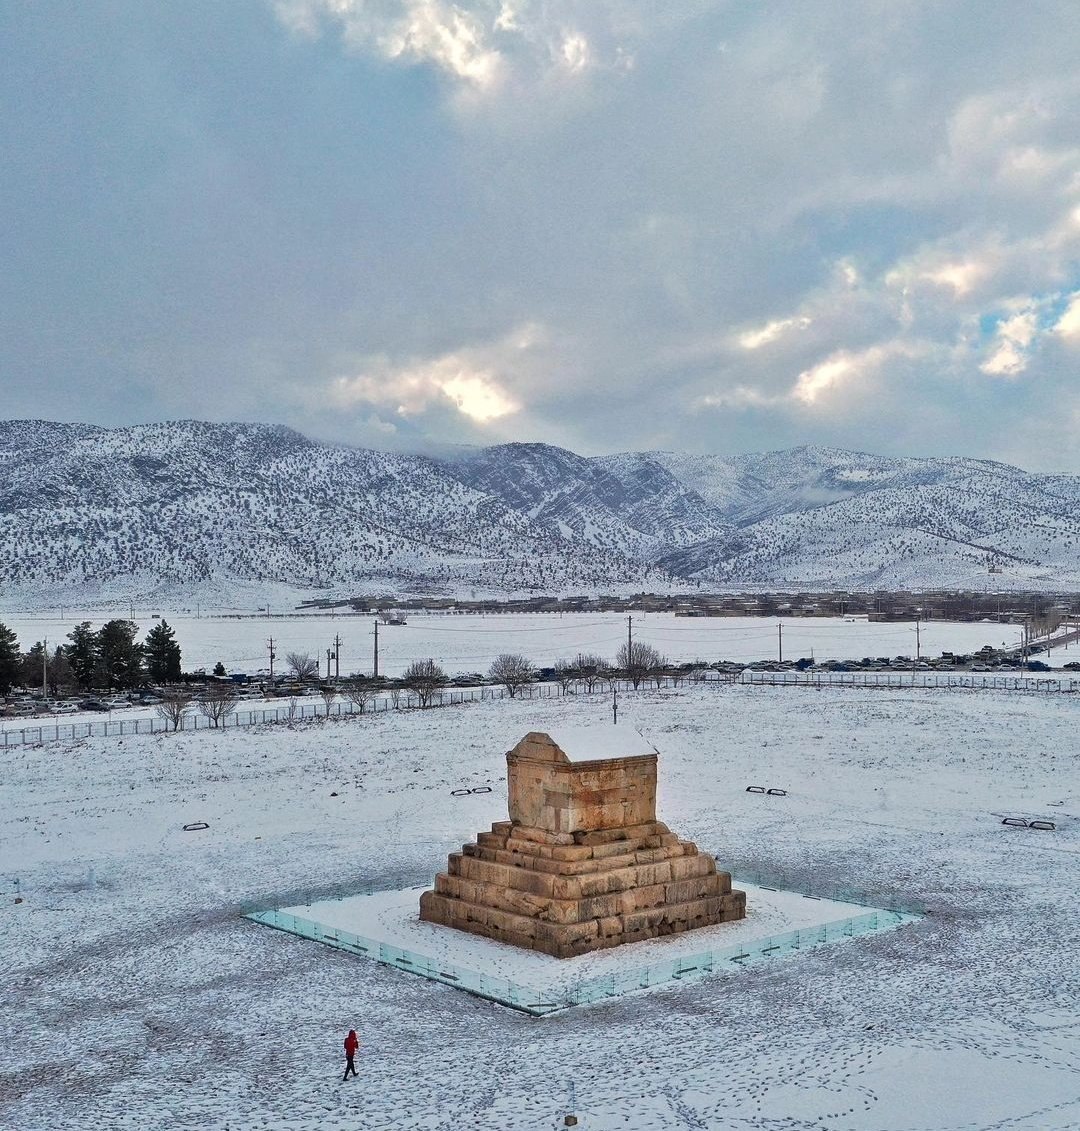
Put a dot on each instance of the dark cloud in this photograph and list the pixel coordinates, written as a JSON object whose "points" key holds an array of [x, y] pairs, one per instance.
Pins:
{"points": [[724, 227]]}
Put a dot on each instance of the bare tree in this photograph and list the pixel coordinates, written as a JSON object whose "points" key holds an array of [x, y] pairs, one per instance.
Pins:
{"points": [[424, 677], [291, 709], [359, 695], [638, 659], [513, 671], [173, 706], [217, 701], [303, 665], [329, 694], [699, 673], [592, 670], [660, 671], [566, 674]]}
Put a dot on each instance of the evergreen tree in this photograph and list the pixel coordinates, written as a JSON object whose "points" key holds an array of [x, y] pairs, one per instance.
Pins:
{"points": [[33, 670], [60, 673], [9, 659], [121, 654], [162, 654], [83, 654], [219, 669]]}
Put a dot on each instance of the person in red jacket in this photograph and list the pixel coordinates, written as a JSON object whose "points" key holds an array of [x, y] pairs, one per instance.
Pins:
{"points": [[352, 1043]]}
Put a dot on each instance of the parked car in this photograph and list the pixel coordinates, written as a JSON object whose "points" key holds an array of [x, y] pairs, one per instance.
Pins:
{"points": [[117, 701], [65, 708], [93, 705]]}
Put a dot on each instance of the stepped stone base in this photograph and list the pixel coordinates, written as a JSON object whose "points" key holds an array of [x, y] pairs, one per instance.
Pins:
{"points": [[583, 863], [569, 893]]}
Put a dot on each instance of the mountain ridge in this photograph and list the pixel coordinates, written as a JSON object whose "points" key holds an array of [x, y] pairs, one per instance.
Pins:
{"points": [[191, 502]]}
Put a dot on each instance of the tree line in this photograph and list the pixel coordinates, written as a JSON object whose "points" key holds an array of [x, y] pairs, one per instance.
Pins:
{"points": [[636, 661], [110, 657]]}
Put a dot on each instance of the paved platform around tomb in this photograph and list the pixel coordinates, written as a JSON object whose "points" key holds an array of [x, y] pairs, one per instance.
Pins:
{"points": [[384, 925]]}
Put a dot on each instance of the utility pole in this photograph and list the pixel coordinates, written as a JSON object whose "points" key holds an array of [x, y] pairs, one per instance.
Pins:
{"points": [[375, 670], [629, 641], [614, 703], [337, 656], [45, 668], [273, 654], [328, 664], [918, 641], [780, 641]]}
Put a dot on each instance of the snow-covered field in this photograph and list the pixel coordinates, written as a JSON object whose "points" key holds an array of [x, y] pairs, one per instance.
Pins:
{"points": [[469, 643], [136, 996]]}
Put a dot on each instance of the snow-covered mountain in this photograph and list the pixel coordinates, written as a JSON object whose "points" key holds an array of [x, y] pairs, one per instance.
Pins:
{"points": [[189, 502], [816, 517], [630, 503], [159, 507]]}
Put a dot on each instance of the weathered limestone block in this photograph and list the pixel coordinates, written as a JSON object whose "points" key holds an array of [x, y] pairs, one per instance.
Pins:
{"points": [[583, 863]]}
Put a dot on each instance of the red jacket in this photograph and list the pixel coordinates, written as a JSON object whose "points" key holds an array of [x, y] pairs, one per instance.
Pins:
{"points": [[351, 1043]]}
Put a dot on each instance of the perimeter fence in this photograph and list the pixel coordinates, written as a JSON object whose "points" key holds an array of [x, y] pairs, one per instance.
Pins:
{"points": [[406, 701], [931, 680], [298, 711]]}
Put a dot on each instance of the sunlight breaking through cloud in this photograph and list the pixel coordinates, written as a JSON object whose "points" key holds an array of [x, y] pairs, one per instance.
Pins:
{"points": [[474, 380]]}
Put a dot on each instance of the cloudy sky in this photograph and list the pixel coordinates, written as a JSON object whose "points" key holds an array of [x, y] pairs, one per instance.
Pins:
{"points": [[726, 227]]}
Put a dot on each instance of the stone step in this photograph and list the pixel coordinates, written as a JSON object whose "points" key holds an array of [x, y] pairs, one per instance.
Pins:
{"points": [[564, 940], [474, 866], [556, 910], [578, 867], [594, 837]]}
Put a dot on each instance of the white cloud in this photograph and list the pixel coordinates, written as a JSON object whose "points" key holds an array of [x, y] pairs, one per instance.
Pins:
{"points": [[475, 380], [960, 276], [961, 269], [835, 370], [446, 35], [755, 339], [481, 43], [1068, 325], [740, 396], [844, 366], [452, 37], [1013, 337], [575, 51]]}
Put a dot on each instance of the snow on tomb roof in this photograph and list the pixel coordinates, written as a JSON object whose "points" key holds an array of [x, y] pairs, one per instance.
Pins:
{"points": [[596, 743]]}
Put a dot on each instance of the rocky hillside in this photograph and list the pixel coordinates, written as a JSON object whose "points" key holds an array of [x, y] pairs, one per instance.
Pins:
{"points": [[172, 505], [192, 502]]}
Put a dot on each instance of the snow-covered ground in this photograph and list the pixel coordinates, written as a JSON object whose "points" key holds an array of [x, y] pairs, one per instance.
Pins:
{"points": [[136, 995], [469, 643]]}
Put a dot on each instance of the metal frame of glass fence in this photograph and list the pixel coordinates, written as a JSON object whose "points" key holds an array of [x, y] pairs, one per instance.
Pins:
{"points": [[541, 1003]]}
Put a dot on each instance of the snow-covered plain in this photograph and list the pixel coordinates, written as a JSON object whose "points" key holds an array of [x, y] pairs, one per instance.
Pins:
{"points": [[469, 643], [136, 996]]}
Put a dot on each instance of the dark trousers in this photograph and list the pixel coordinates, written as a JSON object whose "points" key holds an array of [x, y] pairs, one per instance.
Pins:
{"points": [[350, 1066]]}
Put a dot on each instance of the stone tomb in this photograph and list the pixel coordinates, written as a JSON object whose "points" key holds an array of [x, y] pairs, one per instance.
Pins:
{"points": [[583, 863]]}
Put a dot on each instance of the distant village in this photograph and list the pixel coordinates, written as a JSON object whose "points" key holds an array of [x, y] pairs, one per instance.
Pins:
{"points": [[1041, 611]]}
